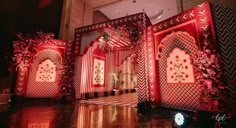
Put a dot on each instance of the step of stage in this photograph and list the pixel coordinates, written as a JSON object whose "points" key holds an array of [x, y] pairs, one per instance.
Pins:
{"points": [[127, 100], [107, 93]]}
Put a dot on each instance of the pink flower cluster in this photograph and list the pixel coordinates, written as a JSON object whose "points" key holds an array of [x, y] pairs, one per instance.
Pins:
{"points": [[209, 71], [131, 31], [26, 46], [208, 75]]}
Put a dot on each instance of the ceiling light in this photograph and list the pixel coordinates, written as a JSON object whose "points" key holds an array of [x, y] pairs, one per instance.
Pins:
{"points": [[158, 15]]}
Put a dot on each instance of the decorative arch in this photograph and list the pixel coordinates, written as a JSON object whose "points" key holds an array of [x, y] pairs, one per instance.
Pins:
{"points": [[179, 68], [46, 71], [180, 93], [46, 87]]}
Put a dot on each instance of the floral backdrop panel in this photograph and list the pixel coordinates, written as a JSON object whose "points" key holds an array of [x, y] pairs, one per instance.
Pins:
{"points": [[177, 93], [99, 72], [187, 32], [44, 84], [184, 31], [46, 71], [179, 68]]}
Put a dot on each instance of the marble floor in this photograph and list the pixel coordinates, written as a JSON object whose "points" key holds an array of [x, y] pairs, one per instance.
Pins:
{"points": [[81, 115]]}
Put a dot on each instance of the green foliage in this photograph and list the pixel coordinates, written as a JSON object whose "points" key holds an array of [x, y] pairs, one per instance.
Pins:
{"points": [[106, 36]]}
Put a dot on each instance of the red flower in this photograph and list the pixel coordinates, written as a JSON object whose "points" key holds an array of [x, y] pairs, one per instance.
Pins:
{"points": [[208, 76], [216, 103], [220, 86]]}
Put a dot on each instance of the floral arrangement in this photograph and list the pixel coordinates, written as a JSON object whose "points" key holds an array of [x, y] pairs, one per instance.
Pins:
{"points": [[26, 46], [65, 81], [131, 31], [105, 47], [209, 76]]}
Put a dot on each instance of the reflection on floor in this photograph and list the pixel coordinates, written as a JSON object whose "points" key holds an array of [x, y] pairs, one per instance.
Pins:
{"points": [[99, 116], [128, 100], [104, 112], [79, 116]]}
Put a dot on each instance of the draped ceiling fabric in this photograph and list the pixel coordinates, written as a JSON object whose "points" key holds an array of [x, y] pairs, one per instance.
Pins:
{"points": [[86, 81], [94, 72], [184, 33]]}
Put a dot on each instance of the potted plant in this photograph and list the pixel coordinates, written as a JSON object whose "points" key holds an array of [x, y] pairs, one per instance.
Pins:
{"points": [[117, 82]]}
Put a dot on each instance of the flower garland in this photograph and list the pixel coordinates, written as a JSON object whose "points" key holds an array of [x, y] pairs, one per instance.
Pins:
{"points": [[26, 46]]}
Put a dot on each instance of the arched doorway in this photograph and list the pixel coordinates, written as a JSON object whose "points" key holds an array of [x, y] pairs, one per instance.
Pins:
{"points": [[43, 77]]}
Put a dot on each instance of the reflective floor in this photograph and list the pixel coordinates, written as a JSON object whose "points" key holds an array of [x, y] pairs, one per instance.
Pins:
{"points": [[79, 115], [127, 99]]}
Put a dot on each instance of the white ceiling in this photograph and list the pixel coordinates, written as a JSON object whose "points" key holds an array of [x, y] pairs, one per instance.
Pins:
{"points": [[156, 10]]}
